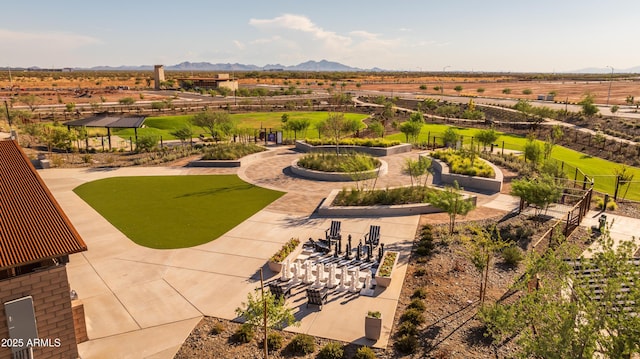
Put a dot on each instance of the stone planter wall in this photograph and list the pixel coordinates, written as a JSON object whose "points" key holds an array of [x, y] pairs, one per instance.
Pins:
{"points": [[373, 151], [386, 281], [483, 184], [276, 267], [334, 176], [372, 328], [233, 163]]}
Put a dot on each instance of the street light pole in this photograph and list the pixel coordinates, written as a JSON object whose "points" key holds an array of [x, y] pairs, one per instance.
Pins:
{"points": [[610, 81]]}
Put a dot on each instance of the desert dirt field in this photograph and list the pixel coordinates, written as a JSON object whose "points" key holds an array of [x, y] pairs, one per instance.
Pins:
{"points": [[95, 87]]}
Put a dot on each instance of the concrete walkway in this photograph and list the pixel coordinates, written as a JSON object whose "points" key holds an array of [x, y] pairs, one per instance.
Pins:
{"points": [[143, 303]]}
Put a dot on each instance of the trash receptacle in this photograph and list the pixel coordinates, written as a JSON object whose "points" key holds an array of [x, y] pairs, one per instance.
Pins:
{"points": [[602, 222]]}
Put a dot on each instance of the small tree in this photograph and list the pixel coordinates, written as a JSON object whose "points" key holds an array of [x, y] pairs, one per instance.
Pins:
{"points": [[452, 201], [146, 143], [127, 101], [458, 89], [450, 137], [480, 90], [540, 191], [533, 151], [376, 128], [588, 105], [416, 169], [30, 100], [216, 123], [481, 247], [298, 125], [184, 134], [334, 126], [411, 128], [624, 176], [487, 137], [158, 105]]}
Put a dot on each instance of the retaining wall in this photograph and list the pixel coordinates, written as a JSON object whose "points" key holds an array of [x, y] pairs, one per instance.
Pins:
{"points": [[373, 151], [336, 176], [233, 163], [473, 182]]}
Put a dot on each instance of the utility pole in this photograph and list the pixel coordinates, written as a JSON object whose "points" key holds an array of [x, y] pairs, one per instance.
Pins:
{"points": [[442, 84], [610, 81]]}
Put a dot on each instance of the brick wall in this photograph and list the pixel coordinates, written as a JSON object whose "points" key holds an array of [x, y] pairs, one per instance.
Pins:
{"points": [[52, 305]]}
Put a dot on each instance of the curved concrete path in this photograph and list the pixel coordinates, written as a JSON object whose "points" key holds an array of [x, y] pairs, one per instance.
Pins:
{"points": [[142, 303]]}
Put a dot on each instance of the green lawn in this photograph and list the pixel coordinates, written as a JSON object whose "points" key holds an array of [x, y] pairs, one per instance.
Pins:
{"points": [[164, 125], [175, 211], [601, 170]]}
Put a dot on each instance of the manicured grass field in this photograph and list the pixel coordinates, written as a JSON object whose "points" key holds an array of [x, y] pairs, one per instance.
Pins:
{"points": [[601, 170], [163, 126], [175, 211]]}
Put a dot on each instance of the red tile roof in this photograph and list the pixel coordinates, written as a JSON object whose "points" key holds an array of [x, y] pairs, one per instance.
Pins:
{"points": [[33, 227]]}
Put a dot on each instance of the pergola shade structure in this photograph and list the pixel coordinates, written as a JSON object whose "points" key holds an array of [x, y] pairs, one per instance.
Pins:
{"points": [[109, 122]]}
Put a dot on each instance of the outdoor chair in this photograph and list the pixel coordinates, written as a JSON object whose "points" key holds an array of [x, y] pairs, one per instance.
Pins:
{"points": [[280, 290], [333, 232], [373, 237], [317, 297]]}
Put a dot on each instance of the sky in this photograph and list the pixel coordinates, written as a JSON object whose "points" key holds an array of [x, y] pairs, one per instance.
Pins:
{"points": [[403, 35]]}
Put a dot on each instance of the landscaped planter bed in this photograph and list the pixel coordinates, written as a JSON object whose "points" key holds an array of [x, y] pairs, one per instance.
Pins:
{"points": [[233, 163], [328, 209], [335, 176], [474, 182], [374, 151]]}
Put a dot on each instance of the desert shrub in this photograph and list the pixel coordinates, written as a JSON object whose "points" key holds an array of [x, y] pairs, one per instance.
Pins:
{"points": [[512, 256], [420, 272], [332, 350], [274, 341], [424, 248], [302, 344], [612, 206], [407, 344], [244, 334], [400, 195], [412, 315], [407, 328], [365, 353], [217, 329], [418, 305], [420, 293], [500, 321]]}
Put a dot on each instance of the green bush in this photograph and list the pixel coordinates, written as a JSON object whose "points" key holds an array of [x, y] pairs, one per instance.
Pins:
{"points": [[394, 196], [217, 329], [424, 248], [418, 305], [274, 341], [302, 344], [286, 249], [407, 328], [462, 165], [512, 256], [420, 293], [244, 334], [612, 206], [420, 272], [331, 162], [412, 315], [407, 344], [500, 321], [332, 350], [365, 353]]}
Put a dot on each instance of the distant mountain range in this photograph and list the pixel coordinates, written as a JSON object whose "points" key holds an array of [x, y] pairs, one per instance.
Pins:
{"points": [[606, 70], [318, 66]]}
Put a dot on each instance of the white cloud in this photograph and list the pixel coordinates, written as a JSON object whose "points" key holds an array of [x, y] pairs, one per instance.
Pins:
{"points": [[364, 34], [302, 24], [239, 44], [59, 40]]}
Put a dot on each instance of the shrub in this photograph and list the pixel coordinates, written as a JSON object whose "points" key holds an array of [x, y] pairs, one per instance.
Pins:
{"points": [[420, 293], [420, 272], [365, 353], [612, 206], [274, 341], [407, 328], [412, 315], [418, 305], [512, 256], [332, 350], [365, 142], [244, 334], [499, 320], [400, 195], [387, 264], [286, 249], [407, 344], [373, 314], [302, 344], [217, 329]]}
